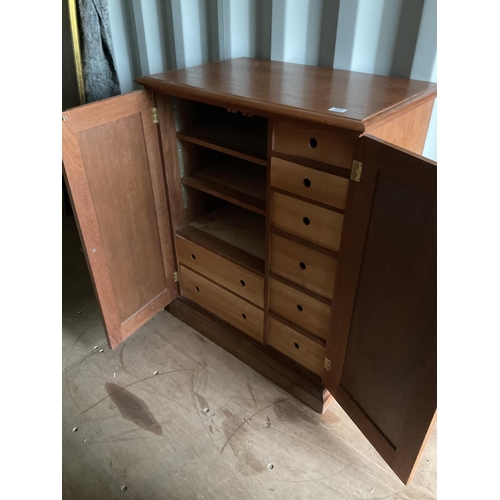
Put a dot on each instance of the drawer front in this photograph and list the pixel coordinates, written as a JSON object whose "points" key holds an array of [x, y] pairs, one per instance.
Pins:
{"points": [[226, 305], [334, 146], [226, 273], [308, 182], [293, 344], [308, 268], [299, 308], [310, 222]]}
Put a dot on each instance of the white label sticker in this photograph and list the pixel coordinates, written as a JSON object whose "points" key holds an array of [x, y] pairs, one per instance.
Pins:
{"points": [[338, 110]]}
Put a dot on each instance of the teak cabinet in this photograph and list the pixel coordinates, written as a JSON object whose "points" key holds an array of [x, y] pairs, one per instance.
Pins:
{"points": [[284, 212]]}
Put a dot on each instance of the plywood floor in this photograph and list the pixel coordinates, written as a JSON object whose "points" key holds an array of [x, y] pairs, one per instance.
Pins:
{"points": [[206, 426]]}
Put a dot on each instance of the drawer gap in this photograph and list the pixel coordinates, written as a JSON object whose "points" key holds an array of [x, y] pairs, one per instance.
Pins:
{"points": [[308, 200], [301, 289], [317, 165], [301, 241]]}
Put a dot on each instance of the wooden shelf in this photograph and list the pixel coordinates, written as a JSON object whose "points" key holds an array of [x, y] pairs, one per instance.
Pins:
{"points": [[233, 180], [232, 232], [238, 136]]}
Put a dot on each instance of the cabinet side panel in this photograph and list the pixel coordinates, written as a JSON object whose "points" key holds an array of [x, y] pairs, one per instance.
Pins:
{"points": [[408, 130], [166, 118]]}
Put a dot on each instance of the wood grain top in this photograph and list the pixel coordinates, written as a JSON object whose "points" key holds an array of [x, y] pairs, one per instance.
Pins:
{"points": [[294, 90]]}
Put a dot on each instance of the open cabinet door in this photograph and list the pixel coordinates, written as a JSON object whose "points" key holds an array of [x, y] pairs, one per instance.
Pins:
{"points": [[383, 340], [113, 169]]}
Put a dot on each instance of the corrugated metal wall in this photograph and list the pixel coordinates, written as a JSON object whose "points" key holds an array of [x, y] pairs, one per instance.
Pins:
{"points": [[386, 37]]}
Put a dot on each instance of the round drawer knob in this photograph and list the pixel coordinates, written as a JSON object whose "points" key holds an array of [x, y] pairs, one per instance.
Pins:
{"points": [[242, 283], [300, 308], [313, 142], [307, 183], [306, 220], [296, 345], [302, 265]]}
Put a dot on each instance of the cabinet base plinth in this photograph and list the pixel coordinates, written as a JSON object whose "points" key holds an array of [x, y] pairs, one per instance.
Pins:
{"points": [[285, 373]]}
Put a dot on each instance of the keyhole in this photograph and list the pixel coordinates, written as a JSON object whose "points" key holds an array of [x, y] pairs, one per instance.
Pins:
{"points": [[302, 265], [242, 283], [313, 142], [197, 288], [307, 183], [193, 256], [306, 221], [300, 308], [296, 345]]}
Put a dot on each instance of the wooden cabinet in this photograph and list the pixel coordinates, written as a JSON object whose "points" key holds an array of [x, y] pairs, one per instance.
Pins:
{"points": [[238, 195]]}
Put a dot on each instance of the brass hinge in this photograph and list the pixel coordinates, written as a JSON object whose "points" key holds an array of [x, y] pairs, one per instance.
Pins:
{"points": [[155, 115], [328, 364], [176, 277], [357, 167]]}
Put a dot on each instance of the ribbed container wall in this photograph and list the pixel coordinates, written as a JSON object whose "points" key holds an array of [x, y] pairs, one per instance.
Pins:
{"points": [[384, 37]]}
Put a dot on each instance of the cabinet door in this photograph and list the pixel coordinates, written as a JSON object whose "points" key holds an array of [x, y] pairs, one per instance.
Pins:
{"points": [[113, 169], [382, 346]]}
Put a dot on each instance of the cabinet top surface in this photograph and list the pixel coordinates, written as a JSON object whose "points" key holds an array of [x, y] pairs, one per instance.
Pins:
{"points": [[294, 90]]}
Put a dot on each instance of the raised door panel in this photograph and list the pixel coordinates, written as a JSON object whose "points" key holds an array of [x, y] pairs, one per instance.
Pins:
{"points": [[113, 168], [383, 340]]}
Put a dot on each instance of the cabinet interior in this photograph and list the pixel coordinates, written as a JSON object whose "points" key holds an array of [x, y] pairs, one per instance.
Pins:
{"points": [[223, 169]]}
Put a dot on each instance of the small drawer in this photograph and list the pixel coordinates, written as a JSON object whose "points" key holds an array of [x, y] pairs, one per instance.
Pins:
{"points": [[299, 308], [223, 271], [308, 268], [305, 220], [226, 305], [293, 344], [334, 146], [308, 182]]}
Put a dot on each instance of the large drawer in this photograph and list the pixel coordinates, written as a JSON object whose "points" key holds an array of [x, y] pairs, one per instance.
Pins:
{"points": [[305, 220], [299, 308], [334, 146], [303, 265], [293, 344], [223, 271], [226, 305], [309, 182]]}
